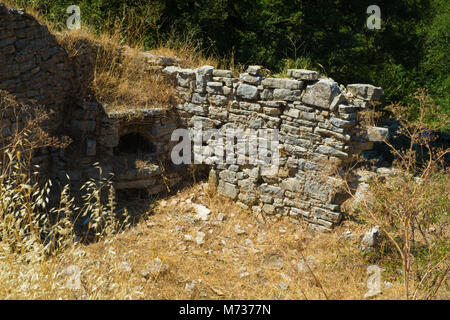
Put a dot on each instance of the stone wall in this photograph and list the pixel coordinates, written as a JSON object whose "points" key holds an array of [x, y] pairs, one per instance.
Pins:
{"points": [[34, 70], [32, 65], [317, 121], [317, 124]]}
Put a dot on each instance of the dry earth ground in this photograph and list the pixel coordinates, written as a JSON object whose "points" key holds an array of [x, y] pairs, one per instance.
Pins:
{"points": [[173, 254]]}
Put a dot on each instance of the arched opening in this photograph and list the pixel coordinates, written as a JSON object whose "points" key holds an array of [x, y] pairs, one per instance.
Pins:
{"points": [[134, 143]]}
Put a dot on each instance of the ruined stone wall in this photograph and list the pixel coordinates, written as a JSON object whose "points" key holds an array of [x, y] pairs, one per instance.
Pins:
{"points": [[317, 121], [33, 66], [317, 124], [34, 70]]}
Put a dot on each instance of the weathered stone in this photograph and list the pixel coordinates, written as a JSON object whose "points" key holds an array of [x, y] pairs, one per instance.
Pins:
{"points": [[195, 109], [329, 133], [376, 134], [250, 78], [346, 109], [202, 77], [279, 83], [267, 94], [321, 94], [228, 189], [268, 209], [292, 184], [365, 91], [201, 212], [371, 238], [255, 70], [341, 123], [303, 74], [318, 190], [218, 100], [247, 91], [334, 217], [339, 99], [214, 87], [310, 116], [332, 152], [294, 113], [228, 176], [205, 71], [286, 94], [199, 98], [222, 73], [172, 70]]}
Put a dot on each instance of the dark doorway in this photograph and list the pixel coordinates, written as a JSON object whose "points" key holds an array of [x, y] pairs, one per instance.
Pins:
{"points": [[134, 143]]}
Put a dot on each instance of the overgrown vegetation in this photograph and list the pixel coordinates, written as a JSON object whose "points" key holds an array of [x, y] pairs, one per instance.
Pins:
{"points": [[411, 207], [35, 222], [120, 77]]}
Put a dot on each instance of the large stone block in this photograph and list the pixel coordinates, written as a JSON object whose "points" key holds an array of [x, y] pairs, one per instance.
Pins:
{"points": [[330, 151], [302, 74], [222, 73], [327, 215], [287, 94], [321, 94], [198, 110], [247, 91], [365, 91], [228, 189], [251, 78], [279, 83]]}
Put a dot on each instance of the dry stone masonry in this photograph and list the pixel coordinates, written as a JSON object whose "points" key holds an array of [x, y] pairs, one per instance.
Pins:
{"points": [[317, 121], [317, 124]]}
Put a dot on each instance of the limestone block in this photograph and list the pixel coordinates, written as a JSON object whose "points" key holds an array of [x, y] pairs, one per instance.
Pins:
{"points": [[287, 95], [247, 91], [321, 94], [302, 74], [279, 83], [365, 91]]}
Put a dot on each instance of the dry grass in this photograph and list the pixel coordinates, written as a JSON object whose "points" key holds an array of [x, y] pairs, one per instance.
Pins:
{"points": [[261, 263], [121, 78], [241, 257], [124, 78], [411, 204]]}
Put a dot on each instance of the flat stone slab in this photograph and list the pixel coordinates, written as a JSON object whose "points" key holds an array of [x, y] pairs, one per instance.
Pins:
{"points": [[365, 91], [303, 74], [145, 112]]}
